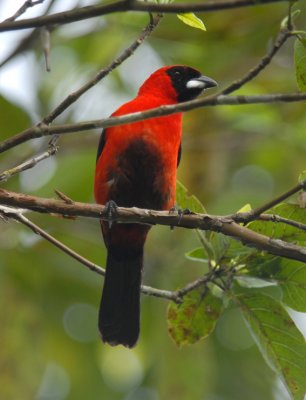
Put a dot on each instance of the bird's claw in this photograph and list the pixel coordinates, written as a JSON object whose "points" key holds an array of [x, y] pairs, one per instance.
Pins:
{"points": [[180, 212], [110, 212]]}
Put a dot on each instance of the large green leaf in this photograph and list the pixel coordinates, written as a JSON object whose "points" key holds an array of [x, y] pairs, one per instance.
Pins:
{"points": [[281, 230], [195, 318], [281, 343], [13, 118], [289, 274], [185, 200], [300, 62], [292, 278]]}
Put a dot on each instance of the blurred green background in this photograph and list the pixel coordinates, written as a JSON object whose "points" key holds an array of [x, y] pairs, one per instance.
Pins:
{"points": [[50, 349]]}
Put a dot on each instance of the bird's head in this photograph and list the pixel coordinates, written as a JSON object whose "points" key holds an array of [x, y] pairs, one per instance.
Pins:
{"points": [[176, 83]]}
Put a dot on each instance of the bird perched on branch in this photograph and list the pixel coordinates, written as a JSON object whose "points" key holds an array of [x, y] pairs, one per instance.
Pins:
{"points": [[136, 167]]}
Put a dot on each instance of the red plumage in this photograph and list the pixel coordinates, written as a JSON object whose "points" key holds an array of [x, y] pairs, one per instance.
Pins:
{"points": [[136, 166]]}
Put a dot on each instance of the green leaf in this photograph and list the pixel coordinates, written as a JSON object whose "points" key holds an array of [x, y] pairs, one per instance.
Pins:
{"points": [[300, 62], [292, 278], [293, 16], [13, 118], [289, 274], [252, 282], [302, 176], [281, 343], [280, 230], [247, 207], [195, 318], [192, 20], [197, 254], [184, 200]]}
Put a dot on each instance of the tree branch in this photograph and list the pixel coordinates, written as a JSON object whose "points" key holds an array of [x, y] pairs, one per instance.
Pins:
{"points": [[73, 97], [150, 291], [217, 100], [282, 37], [82, 13], [26, 42], [224, 225], [77, 94], [256, 212], [5, 175], [278, 218], [23, 9]]}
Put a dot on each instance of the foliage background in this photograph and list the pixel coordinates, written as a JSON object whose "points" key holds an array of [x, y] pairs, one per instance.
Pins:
{"points": [[231, 155]]}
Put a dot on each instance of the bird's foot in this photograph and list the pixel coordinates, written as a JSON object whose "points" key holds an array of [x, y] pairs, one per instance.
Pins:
{"points": [[180, 212], [110, 211]]}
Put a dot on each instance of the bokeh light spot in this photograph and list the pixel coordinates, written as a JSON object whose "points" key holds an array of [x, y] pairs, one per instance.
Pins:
{"points": [[55, 383], [80, 322], [120, 368]]}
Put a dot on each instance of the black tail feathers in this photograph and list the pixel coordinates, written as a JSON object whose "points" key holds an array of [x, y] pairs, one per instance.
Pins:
{"points": [[119, 312]]}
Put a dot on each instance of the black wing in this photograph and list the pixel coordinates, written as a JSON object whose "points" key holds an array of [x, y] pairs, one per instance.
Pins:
{"points": [[101, 144], [179, 154]]}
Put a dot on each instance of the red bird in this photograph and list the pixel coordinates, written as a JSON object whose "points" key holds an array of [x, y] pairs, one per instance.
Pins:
{"points": [[136, 167]]}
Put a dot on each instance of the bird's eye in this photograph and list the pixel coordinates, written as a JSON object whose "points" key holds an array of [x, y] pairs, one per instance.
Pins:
{"points": [[177, 73]]}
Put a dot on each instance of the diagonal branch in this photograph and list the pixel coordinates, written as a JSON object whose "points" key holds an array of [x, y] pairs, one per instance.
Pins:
{"points": [[217, 100], [51, 151], [150, 291], [26, 43], [27, 4], [129, 51], [82, 13], [77, 94], [221, 224], [282, 37], [256, 212]]}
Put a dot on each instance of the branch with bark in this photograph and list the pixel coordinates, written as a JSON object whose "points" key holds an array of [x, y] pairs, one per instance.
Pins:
{"points": [[227, 225], [82, 13], [45, 130]]}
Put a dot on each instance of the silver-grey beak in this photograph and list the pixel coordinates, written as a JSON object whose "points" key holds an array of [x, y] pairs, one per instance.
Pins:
{"points": [[203, 82]]}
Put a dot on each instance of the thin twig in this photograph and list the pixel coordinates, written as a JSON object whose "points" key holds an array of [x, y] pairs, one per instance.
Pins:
{"points": [[217, 100], [221, 224], [36, 229], [103, 72], [282, 37], [62, 196], [278, 218], [209, 277], [280, 40], [82, 13], [26, 43], [77, 94], [23, 9], [4, 176], [18, 216], [256, 212]]}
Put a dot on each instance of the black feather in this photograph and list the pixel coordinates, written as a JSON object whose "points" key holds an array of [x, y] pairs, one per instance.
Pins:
{"points": [[101, 145]]}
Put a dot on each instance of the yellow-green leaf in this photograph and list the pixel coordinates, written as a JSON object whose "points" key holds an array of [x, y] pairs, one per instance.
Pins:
{"points": [[247, 207], [195, 318], [300, 62], [192, 20], [302, 176]]}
